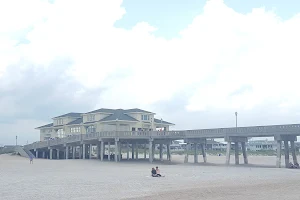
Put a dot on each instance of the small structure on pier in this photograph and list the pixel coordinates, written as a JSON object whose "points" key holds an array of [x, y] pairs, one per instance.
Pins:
{"points": [[102, 120]]}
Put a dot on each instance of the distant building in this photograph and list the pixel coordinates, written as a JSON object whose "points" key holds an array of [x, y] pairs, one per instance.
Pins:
{"points": [[210, 145], [215, 146], [102, 120], [177, 145], [262, 145]]}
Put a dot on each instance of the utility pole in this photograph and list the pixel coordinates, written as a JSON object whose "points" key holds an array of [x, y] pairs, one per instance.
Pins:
{"points": [[236, 121], [16, 140]]}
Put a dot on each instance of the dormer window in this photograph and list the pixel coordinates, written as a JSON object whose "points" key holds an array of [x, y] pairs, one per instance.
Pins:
{"points": [[145, 117], [91, 118], [60, 122]]}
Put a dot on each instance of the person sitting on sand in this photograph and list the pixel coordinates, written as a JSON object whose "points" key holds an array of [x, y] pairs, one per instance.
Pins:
{"points": [[153, 172], [157, 172]]}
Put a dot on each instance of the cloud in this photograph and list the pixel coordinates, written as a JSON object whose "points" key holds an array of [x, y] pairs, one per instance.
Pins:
{"points": [[255, 50], [35, 94], [74, 59], [50, 89]]}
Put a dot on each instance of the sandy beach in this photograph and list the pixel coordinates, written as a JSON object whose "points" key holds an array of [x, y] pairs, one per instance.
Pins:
{"points": [[93, 179]]}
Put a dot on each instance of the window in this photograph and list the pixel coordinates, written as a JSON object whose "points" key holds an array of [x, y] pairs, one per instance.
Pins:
{"points": [[91, 118], [60, 122], [60, 133], [91, 129], [145, 117], [75, 129]]}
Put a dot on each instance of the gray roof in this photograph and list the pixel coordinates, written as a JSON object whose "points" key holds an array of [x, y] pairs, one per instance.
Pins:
{"points": [[71, 114], [135, 110], [90, 122], [118, 114], [102, 110], [113, 111], [46, 126], [76, 121], [164, 122]]}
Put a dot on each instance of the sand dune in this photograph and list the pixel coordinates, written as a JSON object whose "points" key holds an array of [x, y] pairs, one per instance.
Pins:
{"points": [[93, 179]]}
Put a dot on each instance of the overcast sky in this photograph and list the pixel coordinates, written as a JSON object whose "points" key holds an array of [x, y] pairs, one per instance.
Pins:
{"points": [[193, 64]]}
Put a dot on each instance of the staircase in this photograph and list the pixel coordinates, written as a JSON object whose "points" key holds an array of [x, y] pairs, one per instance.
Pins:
{"points": [[21, 151], [29, 153], [18, 149]]}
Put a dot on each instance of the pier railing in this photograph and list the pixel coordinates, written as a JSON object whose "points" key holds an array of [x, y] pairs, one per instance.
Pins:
{"points": [[254, 131]]}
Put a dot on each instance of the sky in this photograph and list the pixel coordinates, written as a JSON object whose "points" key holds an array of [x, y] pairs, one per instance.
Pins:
{"points": [[194, 64]]}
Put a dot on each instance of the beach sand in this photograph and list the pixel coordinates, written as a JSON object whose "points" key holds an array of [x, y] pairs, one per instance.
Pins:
{"points": [[93, 179]]}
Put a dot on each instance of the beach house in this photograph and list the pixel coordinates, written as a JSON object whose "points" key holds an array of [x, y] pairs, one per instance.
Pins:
{"points": [[102, 120]]}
